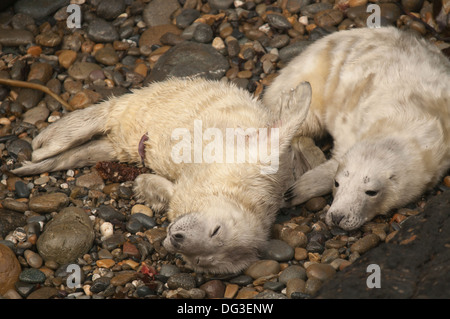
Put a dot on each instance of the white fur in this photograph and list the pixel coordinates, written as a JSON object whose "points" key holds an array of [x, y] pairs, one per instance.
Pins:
{"points": [[384, 96]]}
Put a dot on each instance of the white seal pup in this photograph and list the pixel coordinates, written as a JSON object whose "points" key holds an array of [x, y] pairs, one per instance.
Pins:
{"points": [[221, 211], [384, 97]]}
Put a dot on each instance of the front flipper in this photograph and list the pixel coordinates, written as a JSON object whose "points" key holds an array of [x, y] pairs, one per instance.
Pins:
{"points": [[155, 190]]}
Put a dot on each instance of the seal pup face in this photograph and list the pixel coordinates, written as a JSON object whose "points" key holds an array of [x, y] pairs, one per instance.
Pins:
{"points": [[365, 185], [218, 240]]}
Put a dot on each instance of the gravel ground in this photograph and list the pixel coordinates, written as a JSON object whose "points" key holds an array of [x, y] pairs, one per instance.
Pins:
{"points": [[115, 240]]}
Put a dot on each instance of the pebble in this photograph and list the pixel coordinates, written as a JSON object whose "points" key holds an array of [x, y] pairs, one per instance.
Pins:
{"points": [[106, 229], [186, 17], [48, 39], [109, 214], [32, 276], [66, 58], [142, 209], [278, 250], [107, 56], [158, 12], [214, 289], [21, 190], [43, 293], [40, 71], [14, 38], [181, 280], [230, 291], [110, 9], [11, 204], [39, 9], [315, 204], [90, 180], [81, 70], [48, 203], [100, 30], [169, 270], [246, 293], [294, 271], [263, 268], [152, 35], [295, 285], [323, 272], [122, 277], [9, 269], [36, 114], [33, 259], [365, 243], [67, 236], [278, 21]]}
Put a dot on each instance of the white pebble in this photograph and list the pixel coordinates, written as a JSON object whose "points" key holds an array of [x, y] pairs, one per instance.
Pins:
{"points": [[238, 3], [303, 20], [106, 229], [218, 43], [87, 290], [64, 186], [264, 28], [70, 173], [53, 118]]}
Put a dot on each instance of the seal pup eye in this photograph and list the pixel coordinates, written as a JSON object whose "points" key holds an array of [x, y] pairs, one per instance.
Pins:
{"points": [[371, 193], [215, 231], [336, 184]]}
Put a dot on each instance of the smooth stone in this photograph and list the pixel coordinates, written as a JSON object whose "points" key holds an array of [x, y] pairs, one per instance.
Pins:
{"points": [[203, 33], [274, 285], [295, 285], [413, 5], [48, 203], [100, 30], [278, 21], [311, 10], [294, 6], [278, 250], [35, 114], [142, 209], [365, 243], [11, 204], [39, 9], [329, 255], [24, 289], [110, 9], [242, 280], [155, 235], [100, 284], [109, 214], [43, 293], [48, 39], [33, 259], [121, 278], [220, 4], [14, 38], [9, 269], [190, 59], [32, 276], [186, 17], [40, 71], [322, 272], [293, 237], [169, 270], [67, 236], [21, 190], [113, 241], [152, 35], [315, 204], [263, 268], [270, 295], [158, 12], [246, 293], [90, 180], [66, 58], [107, 56], [214, 289], [81, 70], [181, 280], [293, 271], [9, 221], [146, 221]]}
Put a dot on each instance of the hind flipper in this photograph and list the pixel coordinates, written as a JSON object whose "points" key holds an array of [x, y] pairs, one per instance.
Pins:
{"points": [[72, 130], [84, 155]]}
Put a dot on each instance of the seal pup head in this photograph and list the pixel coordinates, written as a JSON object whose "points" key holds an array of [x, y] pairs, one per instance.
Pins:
{"points": [[217, 240], [366, 183]]}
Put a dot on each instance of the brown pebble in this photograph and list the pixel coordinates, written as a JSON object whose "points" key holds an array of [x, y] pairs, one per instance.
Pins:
{"points": [[447, 181], [300, 253], [322, 272], [315, 204], [66, 58], [246, 293], [105, 263], [365, 243], [231, 291]]}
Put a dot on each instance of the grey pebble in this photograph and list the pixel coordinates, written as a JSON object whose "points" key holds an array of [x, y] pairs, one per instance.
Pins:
{"points": [[109, 213], [100, 30], [186, 17], [181, 280], [277, 250], [110, 9], [294, 271], [203, 33], [242, 280], [32, 276], [100, 284], [169, 270]]}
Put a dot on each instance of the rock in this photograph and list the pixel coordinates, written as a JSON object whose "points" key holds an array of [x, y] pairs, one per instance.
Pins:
{"points": [[66, 58], [144, 221], [28, 97], [214, 289], [35, 114], [323, 272], [270, 295], [263, 268], [412, 5], [246, 293], [152, 35], [365, 243], [11, 204], [294, 6], [43, 293], [33, 259], [278, 21], [14, 38], [90, 180], [315, 204], [186, 17], [67, 236], [311, 10], [142, 209], [190, 59], [32, 276], [100, 284], [203, 33], [39, 9], [40, 71], [295, 285], [109, 214], [181, 280], [100, 30], [390, 11], [155, 235], [158, 12], [230, 291], [22, 150], [48, 203], [110, 9], [9, 269], [169, 270], [220, 4], [242, 280], [300, 253], [121, 278], [289, 52], [107, 56], [105, 263], [48, 39], [81, 70], [9, 221], [294, 271], [278, 250], [293, 237]]}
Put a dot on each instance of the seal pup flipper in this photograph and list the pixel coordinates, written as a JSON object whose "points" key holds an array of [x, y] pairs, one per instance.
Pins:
{"points": [[72, 130], [155, 190], [316, 182], [84, 155]]}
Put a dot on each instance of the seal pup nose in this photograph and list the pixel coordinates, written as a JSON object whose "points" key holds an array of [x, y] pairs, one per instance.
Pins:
{"points": [[336, 218]]}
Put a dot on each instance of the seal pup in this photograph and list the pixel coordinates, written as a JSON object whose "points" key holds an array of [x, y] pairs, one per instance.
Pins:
{"points": [[384, 97]]}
